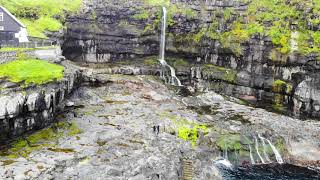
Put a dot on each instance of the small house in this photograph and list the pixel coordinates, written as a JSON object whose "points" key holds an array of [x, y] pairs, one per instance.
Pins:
{"points": [[12, 31]]}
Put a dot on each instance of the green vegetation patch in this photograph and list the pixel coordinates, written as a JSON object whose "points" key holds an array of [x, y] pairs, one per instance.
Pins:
{"points": [[41, 15], [230, 142], [278, 105], [177, 62], [151, 61], [31, 71], [187, 130], [280, 86], [157, 2], [190, 133], [222, 73], [73, 129], [45, 138]]}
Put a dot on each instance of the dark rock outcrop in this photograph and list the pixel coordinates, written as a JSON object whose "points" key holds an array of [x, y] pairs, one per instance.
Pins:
{"points": [[23, 110]]}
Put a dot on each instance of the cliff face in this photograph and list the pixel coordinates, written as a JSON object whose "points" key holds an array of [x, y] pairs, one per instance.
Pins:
{"points": [[24, 110], [247, 49]]}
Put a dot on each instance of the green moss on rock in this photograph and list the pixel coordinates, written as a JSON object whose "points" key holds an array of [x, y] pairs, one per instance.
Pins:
{"points": [[151, 61], [230, 142], [280, 86], [73, 129], [177, 62], [45, 138], [228, 75], [187, 130], [191, 133]]}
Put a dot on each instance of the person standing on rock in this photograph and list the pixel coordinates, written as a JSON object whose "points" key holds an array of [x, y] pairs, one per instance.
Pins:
{"points": [[158, 129]]}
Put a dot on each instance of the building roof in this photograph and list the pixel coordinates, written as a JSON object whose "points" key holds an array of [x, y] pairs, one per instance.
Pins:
{"points": [[12, 16]]}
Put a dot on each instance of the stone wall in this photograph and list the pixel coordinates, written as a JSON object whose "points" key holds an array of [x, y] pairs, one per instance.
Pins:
{"points": [[12, 55], [34, 107], [49, 54]]}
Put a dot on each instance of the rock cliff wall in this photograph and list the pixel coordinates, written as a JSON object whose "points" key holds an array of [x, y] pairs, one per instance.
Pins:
{"points": [[248, 49], [23, 110]]}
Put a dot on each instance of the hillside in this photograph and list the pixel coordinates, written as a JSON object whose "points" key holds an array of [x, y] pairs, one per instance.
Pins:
{"points": [[41, 15]]}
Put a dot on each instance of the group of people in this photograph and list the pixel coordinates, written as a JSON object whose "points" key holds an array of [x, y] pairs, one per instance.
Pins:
{"points": [[156, 129]]}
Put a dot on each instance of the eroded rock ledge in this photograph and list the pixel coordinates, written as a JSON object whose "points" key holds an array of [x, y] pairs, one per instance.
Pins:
{"points": [[32, 108]]}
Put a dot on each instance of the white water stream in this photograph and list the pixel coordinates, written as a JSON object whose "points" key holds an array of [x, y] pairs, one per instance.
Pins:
{"points": [[251, 156], [168, 78], [276, 152], [264, 148], [257, 149]]}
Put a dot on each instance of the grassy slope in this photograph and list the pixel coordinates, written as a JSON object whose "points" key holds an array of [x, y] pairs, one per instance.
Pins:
{"points": [[41, 15], [31, 71]]}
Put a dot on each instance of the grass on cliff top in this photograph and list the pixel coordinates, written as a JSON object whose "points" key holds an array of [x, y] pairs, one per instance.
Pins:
{"points": [[31, 71], [41, 15]]}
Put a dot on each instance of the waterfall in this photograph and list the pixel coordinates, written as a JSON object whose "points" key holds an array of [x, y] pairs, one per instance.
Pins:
{"points": [[264, 147], [251, 156], [226, 153], [172, 78], [257, 149], [224, 162], [163, 34], [276, 152], [274, 149], [223, 159]]}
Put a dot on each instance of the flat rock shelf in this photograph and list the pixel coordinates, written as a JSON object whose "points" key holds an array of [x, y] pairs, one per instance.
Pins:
{"points": [[111, 136]]}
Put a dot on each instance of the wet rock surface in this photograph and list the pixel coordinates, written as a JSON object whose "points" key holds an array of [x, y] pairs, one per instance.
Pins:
{"points": [[300, 137], [117, 138]]}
